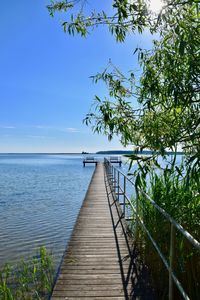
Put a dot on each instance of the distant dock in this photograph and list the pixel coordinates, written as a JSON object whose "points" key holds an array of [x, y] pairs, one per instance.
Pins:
{"points": [[94, 160], [90, 160]]}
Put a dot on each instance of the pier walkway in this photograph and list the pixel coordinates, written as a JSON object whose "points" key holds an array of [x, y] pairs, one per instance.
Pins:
{"points": [[99, 262]]}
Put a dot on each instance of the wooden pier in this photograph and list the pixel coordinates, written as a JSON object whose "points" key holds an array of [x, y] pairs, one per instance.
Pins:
{"points": [[99, 262]]}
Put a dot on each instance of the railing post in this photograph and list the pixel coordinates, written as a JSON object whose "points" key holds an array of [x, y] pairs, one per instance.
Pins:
{"points": [[124, 202], [118, 186], [113, 179], [171, 260], [137, 213], [110, 173]]}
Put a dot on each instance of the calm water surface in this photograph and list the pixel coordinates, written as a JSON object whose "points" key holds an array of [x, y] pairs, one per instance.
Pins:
{"points": [[40, 197]]}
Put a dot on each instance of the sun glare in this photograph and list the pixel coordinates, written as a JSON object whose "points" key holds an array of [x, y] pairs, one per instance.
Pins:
{"points": [[155, 5]]}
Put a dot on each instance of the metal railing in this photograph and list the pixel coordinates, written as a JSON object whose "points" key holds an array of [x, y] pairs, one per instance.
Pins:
{"points": [[118, 183]]}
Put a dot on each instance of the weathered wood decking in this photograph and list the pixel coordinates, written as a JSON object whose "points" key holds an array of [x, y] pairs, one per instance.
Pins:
{"points": [[98, 263]]}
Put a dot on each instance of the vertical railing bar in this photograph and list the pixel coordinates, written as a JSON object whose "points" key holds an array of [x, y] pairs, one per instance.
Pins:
{"points": [[124, 202], [137, 214], [171, 260], [118, 186], [111, 174], [111, 177], [115, 183]]}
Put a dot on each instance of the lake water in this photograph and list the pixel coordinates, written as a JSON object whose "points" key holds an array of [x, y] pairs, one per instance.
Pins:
{"points": [[40, 197]]}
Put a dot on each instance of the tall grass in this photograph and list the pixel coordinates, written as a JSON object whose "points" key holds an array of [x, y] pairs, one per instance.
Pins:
{"points": [[28, 280], [178, 193]]}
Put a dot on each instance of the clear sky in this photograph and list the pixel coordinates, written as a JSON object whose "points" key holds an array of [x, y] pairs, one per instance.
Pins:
{"points": [[45, 89]]}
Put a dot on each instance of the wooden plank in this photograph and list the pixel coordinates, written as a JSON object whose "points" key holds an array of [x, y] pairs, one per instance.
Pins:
{"points": [[62, 287], [91, 293], [93, 266], [86, 298]]}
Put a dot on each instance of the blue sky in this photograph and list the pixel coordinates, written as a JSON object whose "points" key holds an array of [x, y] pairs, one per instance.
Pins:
{"points": [[45, 89]]}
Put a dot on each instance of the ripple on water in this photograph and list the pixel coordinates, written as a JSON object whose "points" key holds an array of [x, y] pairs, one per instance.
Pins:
{"points": [[40, 197]]}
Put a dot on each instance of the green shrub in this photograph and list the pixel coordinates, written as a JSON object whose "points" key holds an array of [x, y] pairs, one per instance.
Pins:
{"points": [[28, 280]]}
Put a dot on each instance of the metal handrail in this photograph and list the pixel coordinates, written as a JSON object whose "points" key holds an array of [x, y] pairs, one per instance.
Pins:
{"points": [[188, 236], [113, 175]]}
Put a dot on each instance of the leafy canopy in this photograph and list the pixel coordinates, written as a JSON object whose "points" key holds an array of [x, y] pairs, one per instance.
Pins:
{"points": [[167, 113]]}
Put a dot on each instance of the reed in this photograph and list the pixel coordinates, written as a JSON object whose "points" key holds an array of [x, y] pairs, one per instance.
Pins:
{"points": [[178, 193], [28, 280]]}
